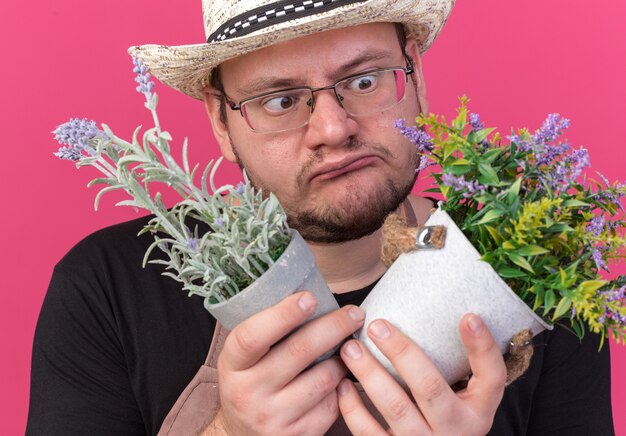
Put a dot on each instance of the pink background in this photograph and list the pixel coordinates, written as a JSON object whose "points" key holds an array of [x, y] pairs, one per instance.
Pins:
{"points": [[67, 58]]}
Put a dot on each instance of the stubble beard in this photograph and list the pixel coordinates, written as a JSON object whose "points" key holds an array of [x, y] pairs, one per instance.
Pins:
{"points": [[361, 214]]}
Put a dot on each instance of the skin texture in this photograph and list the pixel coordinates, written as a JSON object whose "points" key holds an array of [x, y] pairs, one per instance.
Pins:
{"points": [[265, 386]]}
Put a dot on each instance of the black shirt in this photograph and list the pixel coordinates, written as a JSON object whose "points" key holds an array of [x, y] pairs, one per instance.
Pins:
{"points": [[116, 344]]}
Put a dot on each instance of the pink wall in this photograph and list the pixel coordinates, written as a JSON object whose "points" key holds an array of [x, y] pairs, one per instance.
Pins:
{"points": [[66, 58]]}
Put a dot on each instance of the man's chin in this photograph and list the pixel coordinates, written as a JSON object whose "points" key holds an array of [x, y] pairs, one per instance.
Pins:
{"points": [[356, 217]]}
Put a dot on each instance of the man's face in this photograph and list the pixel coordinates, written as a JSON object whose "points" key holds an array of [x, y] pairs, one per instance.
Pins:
{"points": [[338, 176]]}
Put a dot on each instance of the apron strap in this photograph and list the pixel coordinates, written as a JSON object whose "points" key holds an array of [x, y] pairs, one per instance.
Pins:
{"points": [[217, 343], [409, 214]]}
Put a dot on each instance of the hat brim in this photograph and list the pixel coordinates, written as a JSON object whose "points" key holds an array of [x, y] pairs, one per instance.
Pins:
{"points": [[187, 68]]}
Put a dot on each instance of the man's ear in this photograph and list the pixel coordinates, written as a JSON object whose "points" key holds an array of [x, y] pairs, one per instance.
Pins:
{"points": [[212, 103], [412, 50]]}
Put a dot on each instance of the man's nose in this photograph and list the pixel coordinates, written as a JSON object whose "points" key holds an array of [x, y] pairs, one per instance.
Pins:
{"points": [[330, 124]]}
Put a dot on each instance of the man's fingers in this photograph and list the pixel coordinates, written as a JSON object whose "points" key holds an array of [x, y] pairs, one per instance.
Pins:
{"points": [[320, 418], [309, 342], [486, 387], [310, 388], [358, 419], [436, 401], [252, 339], [389, 398]]}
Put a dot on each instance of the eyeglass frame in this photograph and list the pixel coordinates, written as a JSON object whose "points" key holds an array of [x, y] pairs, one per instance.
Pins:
{"points": [[408, 70]]}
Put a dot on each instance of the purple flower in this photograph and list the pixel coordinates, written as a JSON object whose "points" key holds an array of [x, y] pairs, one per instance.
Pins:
{"points": [[421, 139], [240, 188], [476, 123], [605, 180], [552, 127], [192, 244], [561, 170], [459, 184], [143, 79], [612, 196], [596, 226], [219, 221], [545, 154], [596, 254], [578, 161], [425, 162], [68, 153], [614, 295], [76, 134], [522, 143]]}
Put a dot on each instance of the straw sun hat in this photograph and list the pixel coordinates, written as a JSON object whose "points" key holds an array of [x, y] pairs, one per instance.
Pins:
{"points": [[235, 27]]}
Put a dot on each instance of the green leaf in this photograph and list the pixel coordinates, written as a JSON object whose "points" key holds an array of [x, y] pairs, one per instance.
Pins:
{"points": [[102, 181], [510, 273], [591, 285], [132, 158], [165, 135], [538, 290], [458, 170], [508, 245], [433, 190], [102, 192], [489, 175], [476, 137], [563, 276], [131, 203], [513, 191], [531, 250], [574, 203], [559, 228], [578, 328], [492, 154], [495, 234], [521, 261], [490, 216], [564, 305], [549, 301], [460, 162], [459, 122]]}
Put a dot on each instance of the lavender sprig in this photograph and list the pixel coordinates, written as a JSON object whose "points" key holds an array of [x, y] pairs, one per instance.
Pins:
{"points": [[249, 230], [78, 136], [551, 129], [145, 86], [475, 123], [469, 188], [422, 140]]}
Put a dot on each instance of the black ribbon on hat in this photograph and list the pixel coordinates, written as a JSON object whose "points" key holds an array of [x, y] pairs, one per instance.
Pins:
{"points": [[273, 13]]}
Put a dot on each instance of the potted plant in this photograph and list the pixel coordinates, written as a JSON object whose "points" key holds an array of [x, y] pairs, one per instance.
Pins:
{"points": [[528, 239], [230, 245]]}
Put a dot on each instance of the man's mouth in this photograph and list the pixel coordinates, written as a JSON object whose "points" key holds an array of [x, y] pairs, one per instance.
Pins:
{"points": [[333, 170]]}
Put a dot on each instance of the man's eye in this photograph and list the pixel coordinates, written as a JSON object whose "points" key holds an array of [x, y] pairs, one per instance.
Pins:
{"points": [[279, 103], [363, 83]]}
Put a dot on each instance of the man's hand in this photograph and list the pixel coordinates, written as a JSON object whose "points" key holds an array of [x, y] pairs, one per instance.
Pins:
{"points": [[437, 409], [265, 386]]}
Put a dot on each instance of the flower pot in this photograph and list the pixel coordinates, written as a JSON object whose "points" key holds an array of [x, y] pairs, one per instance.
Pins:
{"points": [[425, 293], [294, 271]]}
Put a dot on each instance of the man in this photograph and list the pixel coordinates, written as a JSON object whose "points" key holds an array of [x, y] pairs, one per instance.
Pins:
{"points": [[292, 101]]}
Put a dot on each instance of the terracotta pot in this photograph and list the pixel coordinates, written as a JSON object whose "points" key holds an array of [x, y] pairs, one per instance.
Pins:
{"points": [[426, 293]]}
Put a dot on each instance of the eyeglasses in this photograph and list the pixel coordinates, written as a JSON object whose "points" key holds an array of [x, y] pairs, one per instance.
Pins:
{"points": [[360, 94]]}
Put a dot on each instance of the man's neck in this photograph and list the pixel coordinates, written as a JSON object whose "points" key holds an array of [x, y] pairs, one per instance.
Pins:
{"points": [[350, 265], [355, 264]]}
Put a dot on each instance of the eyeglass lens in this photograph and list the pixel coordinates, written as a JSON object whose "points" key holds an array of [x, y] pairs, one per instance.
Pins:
{"points": [[359, 95]]}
